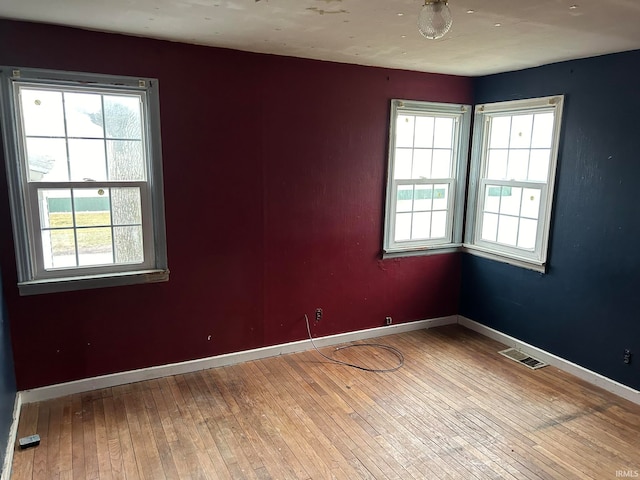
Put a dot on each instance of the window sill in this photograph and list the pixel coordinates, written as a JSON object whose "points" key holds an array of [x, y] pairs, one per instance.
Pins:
{"points": [[422, 251], [67, 284], [511, 260]]}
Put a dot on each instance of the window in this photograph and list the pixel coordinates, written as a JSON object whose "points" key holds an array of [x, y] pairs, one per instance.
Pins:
{"points": [[426, 176], [84, 166], [511, 182]]}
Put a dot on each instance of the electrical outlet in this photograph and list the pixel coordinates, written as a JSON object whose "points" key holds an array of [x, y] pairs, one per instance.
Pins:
{"points": [[318, 314], [627, 356], [388, 320]]}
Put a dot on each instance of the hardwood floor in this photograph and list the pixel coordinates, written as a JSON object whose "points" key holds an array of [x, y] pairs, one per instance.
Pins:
{"points": [[456, 409]]}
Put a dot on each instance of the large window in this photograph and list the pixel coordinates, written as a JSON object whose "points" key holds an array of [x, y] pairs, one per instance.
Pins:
{"points": [[512, 178], [426, 176], [84, 167]]}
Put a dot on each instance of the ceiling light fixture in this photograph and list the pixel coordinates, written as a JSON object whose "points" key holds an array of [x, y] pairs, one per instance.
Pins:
{"points": [[434, 20]]}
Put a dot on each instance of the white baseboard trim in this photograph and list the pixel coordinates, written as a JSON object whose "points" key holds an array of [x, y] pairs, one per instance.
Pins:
{"points": [[131, 376], [565, 365], [11, 441]]}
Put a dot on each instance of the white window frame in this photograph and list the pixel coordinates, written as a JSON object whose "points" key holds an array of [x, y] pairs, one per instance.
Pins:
{"points": [[33, 278], [461, 114], [536, 258]]}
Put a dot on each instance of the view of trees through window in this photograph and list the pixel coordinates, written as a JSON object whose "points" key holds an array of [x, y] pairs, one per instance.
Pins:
{"points": [[86, 159]]}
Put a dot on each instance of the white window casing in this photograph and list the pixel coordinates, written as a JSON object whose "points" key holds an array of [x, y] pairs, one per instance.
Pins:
{"points": [[84, 168], [426, 177], [511, 180]]}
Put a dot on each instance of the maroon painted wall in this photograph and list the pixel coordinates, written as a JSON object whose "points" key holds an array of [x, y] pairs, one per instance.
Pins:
{"points": [[274, 188]]}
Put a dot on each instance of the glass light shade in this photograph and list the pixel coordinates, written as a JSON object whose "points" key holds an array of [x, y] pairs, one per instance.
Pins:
{"points": [[434, 20]]}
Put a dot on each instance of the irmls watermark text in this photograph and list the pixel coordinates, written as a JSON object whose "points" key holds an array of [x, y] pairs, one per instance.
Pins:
{"points": [[627, 474]]}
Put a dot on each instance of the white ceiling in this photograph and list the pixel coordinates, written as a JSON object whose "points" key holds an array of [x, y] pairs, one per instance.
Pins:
{"points": [[366, 32]]}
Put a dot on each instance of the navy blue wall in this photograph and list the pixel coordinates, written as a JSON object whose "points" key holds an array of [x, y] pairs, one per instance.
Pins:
{"points": [[586, 309], [7, 379]]}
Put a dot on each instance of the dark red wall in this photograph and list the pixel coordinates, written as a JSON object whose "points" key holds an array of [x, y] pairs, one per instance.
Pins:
{"points": [[274, 188]]}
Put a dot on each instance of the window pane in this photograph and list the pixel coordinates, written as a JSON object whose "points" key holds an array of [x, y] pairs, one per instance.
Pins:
{"points": [[403, 227], [530, 203], [42, 113], [126, 161], [126, 206], [94, 246], [539, 165], [441, 164], [122, 117], [87, 160], [55, 208], [497, 168], [507, 230], [521, 131], [404, 201], [402, 167], [424, 194], [424, 132], [423, 153], [443, 133], [489, 226], [77, 143], [439, 225], [91, 210], [404, 131], [58, 248], [421, 163], [128, 244], [500, 131], [84, 115], [527, 233], [510, 202], [47, 158], [518, 163], [516, 141], [542, 130], [492, 196], [92, 207], [440, 197], [421, 225]]}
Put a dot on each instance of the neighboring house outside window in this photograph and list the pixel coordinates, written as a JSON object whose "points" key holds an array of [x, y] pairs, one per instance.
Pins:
{"points": [[511, 185], [84, 166], [511, 179], [426, 177]]}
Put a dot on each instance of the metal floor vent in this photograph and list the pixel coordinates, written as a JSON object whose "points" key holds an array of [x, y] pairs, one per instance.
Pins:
{"points": [[523, 358]]}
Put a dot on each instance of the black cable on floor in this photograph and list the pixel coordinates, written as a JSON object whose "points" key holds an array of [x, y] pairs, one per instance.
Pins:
{"points": [[389, 348]]}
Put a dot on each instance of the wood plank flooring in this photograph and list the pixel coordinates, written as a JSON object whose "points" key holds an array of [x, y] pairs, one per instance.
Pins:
{"points": [[455, 410]]}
